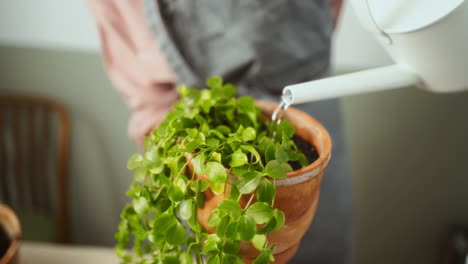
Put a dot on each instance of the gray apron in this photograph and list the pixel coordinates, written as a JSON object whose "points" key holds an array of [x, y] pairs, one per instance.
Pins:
{"points": [[261, 46]]}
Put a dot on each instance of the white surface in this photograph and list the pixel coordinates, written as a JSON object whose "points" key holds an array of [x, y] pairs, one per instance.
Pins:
{"points": [[47, 23], [42, 253], [437, 53], [398, 16], [67, 24], [354, 48]]}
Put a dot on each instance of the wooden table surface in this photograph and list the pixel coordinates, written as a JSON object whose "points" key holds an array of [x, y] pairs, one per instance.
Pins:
{"points": [[45, 253]]}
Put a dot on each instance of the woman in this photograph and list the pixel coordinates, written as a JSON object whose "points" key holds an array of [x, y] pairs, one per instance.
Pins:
{"points": [[150, 46]]}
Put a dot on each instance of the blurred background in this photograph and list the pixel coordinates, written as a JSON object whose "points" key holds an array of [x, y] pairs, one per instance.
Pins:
{"points": [[408, 148]]}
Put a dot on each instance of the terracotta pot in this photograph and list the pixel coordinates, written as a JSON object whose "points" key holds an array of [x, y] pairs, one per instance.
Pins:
{"points": [[10, 224], [297, 195]]}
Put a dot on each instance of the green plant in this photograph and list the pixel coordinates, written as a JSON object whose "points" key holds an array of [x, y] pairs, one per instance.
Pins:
{"points": [[226, 139]]}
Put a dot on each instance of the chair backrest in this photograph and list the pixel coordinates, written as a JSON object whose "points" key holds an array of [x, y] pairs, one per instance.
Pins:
{"points": [[34, 151]]}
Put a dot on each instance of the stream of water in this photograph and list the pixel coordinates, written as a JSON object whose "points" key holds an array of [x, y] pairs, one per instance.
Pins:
{"points": [[278, 114]]}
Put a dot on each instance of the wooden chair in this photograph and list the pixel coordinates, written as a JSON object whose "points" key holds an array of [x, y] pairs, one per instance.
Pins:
{"points": [[34, 151]]}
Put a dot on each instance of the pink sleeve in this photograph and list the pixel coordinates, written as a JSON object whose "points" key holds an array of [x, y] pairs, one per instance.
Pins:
{"points": [[134, 63]]}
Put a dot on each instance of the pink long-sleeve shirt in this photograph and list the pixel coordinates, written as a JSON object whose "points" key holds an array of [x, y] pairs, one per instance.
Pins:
{"points": [[134, 63]]}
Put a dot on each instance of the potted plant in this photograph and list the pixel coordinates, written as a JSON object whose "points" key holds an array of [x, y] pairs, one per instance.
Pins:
{"points": [[220, 183], [10, 232]]}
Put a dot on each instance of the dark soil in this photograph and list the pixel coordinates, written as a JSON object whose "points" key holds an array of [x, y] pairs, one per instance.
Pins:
{"points": [[5, 242], [308, 149]]}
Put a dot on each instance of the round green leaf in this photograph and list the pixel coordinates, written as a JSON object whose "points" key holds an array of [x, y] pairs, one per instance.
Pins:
{"points": [[135, 161], [258, 241], [248, 134], [234, 194], [231, 231], [223, 129], [185, 258], [211, 244], [217, 188], [140, 205], [286, 167], [163, 223], [156, 167], [179, 182], [260, 212], [192, 144], [214, 82], [185, 209], [213, 259], [270, 153], [280, 154], [207, 104], [266, 192], [216, 156], [176, 235], [231, 259], [287, 130], [175, 193], [214, 218], [229, 90], [264, 142], [215, 172], [246, 103], [192, 132], [280, 219], [230, 207], [268, 227], [246, 228], [198, 186], [203, 185], [277, 170], [181, 123], [240, 170], [139, 174], [231, 246], [169, 259], [253, 151], [249, 181], [220, 91], [238, 158], [264, 257], [221, 227], [197, 163]]}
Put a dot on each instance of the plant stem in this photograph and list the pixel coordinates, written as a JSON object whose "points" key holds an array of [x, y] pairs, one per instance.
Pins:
{"points": [[274, 185], [183, 167], [198, 254], [226, 182], [162, 252], [249, 202]]}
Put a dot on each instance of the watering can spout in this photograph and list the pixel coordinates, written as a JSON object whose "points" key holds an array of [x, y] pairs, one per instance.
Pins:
{"points": [[373, 80], [426, 38]]}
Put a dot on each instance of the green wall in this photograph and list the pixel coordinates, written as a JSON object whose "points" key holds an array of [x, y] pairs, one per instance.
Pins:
{"points": [[100, 146], [409, 153]]}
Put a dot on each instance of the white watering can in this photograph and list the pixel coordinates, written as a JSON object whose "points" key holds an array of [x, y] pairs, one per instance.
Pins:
{"points": [[428, 39]]}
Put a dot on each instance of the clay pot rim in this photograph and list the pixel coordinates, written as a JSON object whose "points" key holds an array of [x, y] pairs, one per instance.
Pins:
{"points": [[314, 168], [10, 223], [11, 252]]}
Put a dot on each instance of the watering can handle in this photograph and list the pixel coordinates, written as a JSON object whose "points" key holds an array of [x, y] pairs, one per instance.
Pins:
{"points": [[364, 14]]}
